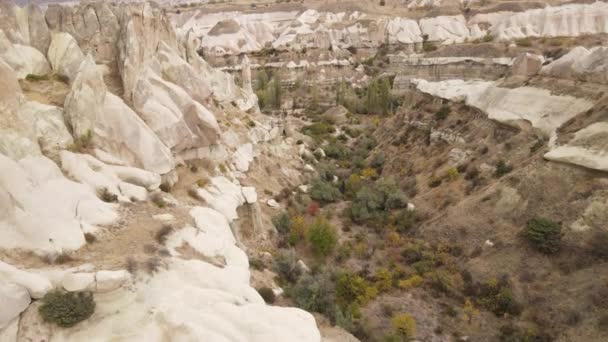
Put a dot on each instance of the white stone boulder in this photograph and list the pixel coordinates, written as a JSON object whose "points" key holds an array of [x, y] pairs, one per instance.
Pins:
{"points": [[272, 203], [13, 300], [179, 121], [106, 281], [78, 282], [242, 157], [124, 182], [223, 196], [25, 60], [51, 133], [37, 286], [250, 194], [64, 55], [43, 211], [587, 148]]}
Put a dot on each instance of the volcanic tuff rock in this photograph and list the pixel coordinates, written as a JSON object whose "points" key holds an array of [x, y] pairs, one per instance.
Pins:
{"points": [[139, 100], [233, 33]]}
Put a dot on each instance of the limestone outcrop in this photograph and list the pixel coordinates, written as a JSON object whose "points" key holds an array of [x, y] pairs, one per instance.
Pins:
{"points": [[139, 100], [25, 60], [580, 63], [537, 106], [114, 128], [232, 33]]}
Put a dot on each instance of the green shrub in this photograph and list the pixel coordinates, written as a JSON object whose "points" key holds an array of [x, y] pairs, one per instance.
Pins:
{"points": [[326, 171], [66, 309], [523, 42], [442, 113], [373, 201], [502, 168], [324, 192], [337, 150], [319, 129], [282, 223], [545, 235], [378, 161], [315, 294], [497, 297], [405, 220], [429, 46], [267, 294], [322, 237], [404, 326], [351, 288], [285, 265], [35, 78], [82, 143]]}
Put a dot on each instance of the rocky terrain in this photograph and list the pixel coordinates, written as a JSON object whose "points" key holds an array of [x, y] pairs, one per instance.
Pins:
{"points": [[303, 171]]}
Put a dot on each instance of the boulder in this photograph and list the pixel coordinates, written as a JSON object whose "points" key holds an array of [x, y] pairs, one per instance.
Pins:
{"points": [[223, 196], [176, 70], [50, 131], [179, 121], [113, 128], [8, 333], [527, 64], [250, 195], [74, 282], [242, 157], [46, 212], [24, 60], [64, 55], [107, 281], [13, 299], [126, 184], [337, 115], [37, 286]]}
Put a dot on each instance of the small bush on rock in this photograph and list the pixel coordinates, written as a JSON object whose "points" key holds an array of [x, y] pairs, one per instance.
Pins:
{"points": [[502, 169], [324, 192], [322, 237], [404, 325], [545, 235], [285, 265], [66, 309], [282, 223]]}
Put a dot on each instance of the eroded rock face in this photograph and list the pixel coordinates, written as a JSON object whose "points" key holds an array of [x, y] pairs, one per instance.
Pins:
{"points": [[113, 127], [543, 110], [581, 63], [24, 60], [144, 28], [14, 299], [232, 33], [94, 26], [42, 203], [179, 121], [587, 148], [65, 55]]}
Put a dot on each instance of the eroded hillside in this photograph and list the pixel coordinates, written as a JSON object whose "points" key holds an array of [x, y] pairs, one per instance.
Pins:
{"points": [[419, 170]]}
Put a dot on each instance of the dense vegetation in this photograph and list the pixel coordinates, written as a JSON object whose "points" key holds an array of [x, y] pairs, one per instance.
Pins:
{"points": [[66, 309]]}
